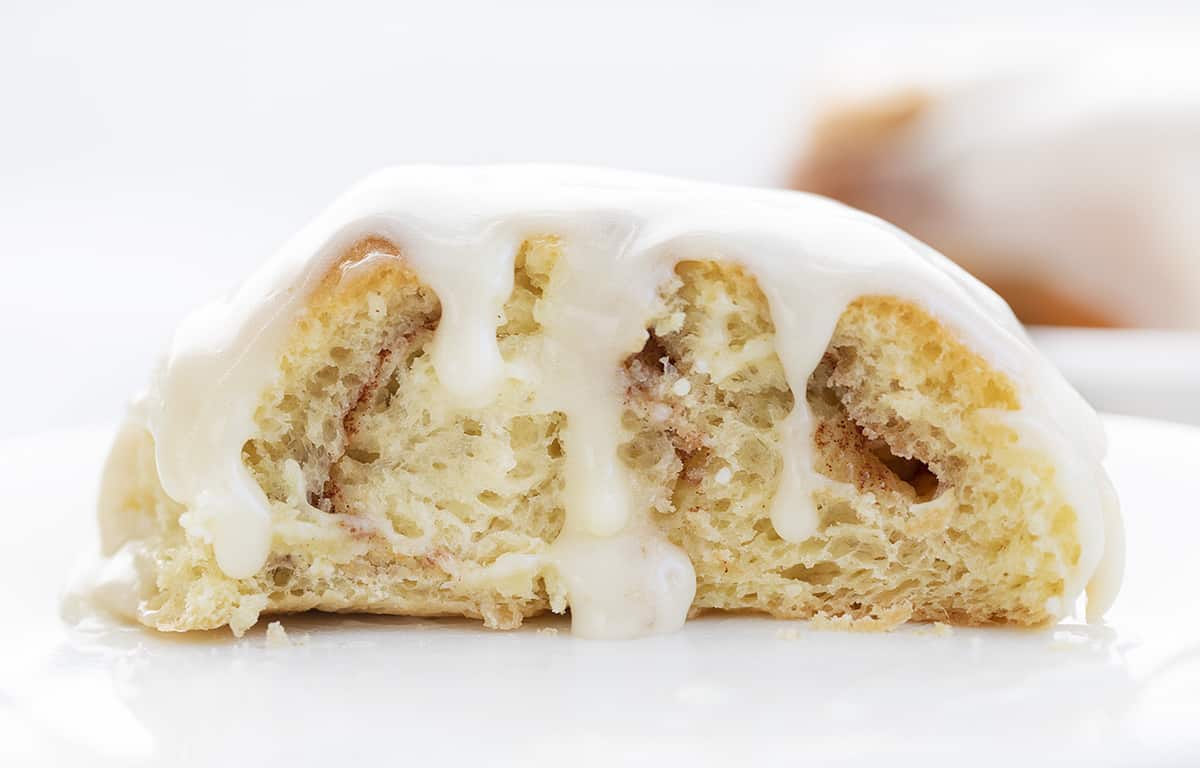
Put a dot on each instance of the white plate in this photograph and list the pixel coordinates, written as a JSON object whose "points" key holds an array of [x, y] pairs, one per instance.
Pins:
{"points": [[722, 691]]}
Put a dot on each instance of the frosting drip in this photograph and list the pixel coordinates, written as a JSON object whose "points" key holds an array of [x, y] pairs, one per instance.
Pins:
{"points": [[459, 229]]}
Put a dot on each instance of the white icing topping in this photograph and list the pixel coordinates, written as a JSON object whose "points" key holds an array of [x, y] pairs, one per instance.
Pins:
{"points": [[460, 228], [630, 584], [465, 355]]}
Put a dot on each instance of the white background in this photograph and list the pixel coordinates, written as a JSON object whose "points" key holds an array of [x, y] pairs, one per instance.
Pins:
{"points": [[151, 154]]}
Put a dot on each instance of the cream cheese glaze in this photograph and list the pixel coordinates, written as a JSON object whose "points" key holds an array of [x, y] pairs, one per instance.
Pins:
{"points": [[460, 228]]}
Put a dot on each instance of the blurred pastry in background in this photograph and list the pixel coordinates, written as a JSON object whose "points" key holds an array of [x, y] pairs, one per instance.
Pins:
{"points": [[1075, 197]]}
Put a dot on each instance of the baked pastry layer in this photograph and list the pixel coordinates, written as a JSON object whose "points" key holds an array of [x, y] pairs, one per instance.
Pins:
{"points": [[617, 412]]}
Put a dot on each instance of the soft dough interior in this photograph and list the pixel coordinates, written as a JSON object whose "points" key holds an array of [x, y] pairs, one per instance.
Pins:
{"points": [[386, 498]]}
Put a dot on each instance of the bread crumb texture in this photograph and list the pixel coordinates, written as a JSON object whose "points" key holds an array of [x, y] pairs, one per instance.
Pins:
{"points": [[277, 636], [386, 498]]}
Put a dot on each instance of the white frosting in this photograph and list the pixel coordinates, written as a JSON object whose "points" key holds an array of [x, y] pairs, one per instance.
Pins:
{"points": [[460, 228]]}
